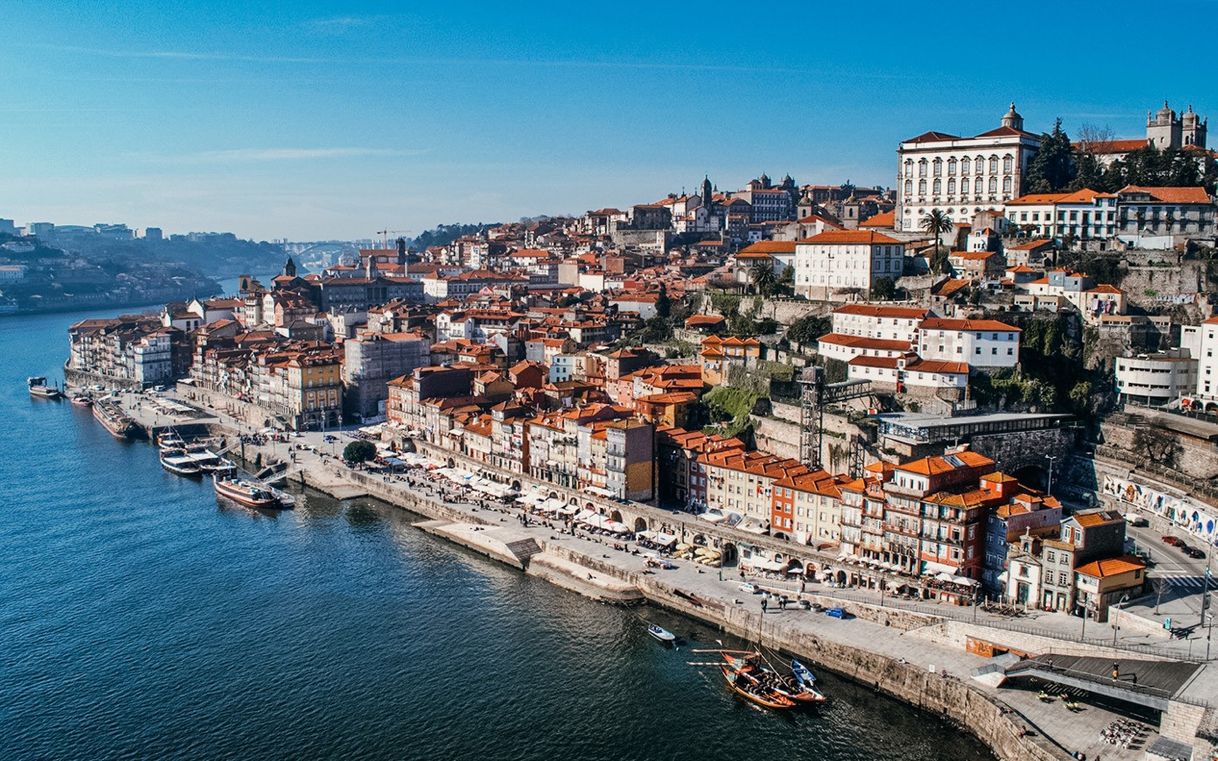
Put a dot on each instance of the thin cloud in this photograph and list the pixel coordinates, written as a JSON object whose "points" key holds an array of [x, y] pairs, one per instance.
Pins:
{"points": [[286, 154], [340, 23], [191, 55]]}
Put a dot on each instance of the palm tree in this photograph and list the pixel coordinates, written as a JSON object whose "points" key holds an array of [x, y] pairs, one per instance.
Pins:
{"points": [[763, 278], [935, 223]]}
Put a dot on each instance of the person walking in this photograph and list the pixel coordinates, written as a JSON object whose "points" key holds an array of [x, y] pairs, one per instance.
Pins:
{"points": [[764, 602]]}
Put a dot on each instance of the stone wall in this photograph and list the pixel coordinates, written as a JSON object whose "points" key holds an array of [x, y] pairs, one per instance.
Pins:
{"points": [[1198, 459], [81, 378]]}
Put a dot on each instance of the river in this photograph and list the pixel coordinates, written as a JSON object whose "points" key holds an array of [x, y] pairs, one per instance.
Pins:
{"points": [[140, 619]]}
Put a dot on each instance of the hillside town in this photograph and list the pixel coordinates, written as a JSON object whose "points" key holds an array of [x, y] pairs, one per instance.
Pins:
{"points": [[971, 386]]}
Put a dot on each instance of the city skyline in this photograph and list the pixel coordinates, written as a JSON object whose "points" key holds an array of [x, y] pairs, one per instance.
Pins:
{"points": [[325, 123]]}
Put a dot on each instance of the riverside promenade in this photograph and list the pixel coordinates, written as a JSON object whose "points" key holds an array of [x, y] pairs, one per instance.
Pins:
{"points": [[914, 656]]}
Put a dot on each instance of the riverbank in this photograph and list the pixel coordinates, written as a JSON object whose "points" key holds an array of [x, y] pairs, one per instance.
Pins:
{"points": [[922, 659]]}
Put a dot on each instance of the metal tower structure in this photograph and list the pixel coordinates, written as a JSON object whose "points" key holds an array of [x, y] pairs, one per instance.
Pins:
{"points": [[817, 394]]}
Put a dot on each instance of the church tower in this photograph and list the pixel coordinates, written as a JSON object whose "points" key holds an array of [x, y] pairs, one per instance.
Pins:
{"points": [[1192, 128], [289, 268], [707, 192]]}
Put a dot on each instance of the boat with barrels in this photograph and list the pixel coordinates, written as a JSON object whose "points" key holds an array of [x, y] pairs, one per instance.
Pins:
{"points": [[796, 686], [751, 689], [247, 493]]}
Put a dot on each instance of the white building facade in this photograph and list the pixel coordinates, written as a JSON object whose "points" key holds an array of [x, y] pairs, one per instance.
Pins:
{"points": [[962, 176], [841, 260]]}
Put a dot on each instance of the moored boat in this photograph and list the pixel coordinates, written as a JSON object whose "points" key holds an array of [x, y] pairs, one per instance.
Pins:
{"points": [[39, 389], [82, 400], [662, 634], [750, 689], [790, 686], [113, 419], [179, 462], [244, 492]]}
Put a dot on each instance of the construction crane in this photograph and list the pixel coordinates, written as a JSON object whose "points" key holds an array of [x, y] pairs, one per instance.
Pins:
{"points": [[386, 233], [817, 394]]}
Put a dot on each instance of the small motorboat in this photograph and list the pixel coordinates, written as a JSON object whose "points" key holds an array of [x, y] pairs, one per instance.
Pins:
{"points": [[82, 400], [179, 462], [247, 493], [662, 634]]}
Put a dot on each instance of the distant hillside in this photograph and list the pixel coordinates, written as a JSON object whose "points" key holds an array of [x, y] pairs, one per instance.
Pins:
{"points": [[212, 254], [445, 234]]}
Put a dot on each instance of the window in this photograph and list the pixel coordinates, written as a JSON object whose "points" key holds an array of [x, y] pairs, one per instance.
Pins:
{"points": [[1006, 185], [965, 165], [951, 188], [938, 187], [909, 187], [922, 168], [1008, 163], [964, 186], [938, 167], [951, 167], [993, 185], [921, 187]]}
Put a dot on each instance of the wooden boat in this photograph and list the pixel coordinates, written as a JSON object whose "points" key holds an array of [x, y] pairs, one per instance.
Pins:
{"points": [[661, 634], [787, 685], [82, 400], [243, 492], [751, 690], [113, 419], [37, 384]]}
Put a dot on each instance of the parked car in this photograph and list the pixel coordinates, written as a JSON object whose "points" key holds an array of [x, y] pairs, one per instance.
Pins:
{"points": [[1172, 540], [750, 589], [1194, 553], [1136, 520], [837, 613]]}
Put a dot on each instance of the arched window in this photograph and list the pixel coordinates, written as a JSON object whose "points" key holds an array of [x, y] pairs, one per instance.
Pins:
{"points": [[938, 186], [909, 187], [951, 167], [993, 185], [993, 165], [965, 165], [978, 185], [1006, 185], [1008, 163], [951, 186], [908, 167], [921, 187], [922, 168], [938, 167], [963, 186]]}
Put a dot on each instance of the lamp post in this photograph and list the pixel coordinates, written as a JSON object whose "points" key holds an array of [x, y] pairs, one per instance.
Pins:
{"points": [[1049, 487], [1115, 626]]}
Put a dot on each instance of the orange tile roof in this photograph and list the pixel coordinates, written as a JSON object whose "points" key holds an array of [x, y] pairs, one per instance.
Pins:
{"points": [[769, 247], [849, 237], [1171, 194], [863, 342], [971, 326], [885, 219], [879, 310], [1111, 567]]}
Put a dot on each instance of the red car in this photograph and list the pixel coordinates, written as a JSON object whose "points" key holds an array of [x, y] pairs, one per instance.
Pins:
{"points": [[1172, 540]]}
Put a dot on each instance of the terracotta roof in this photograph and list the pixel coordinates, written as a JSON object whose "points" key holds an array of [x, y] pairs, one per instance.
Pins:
{"points": [[1111, 567], [974, 326], [849, 237], [1112, 146], [879, 310], [769, 247], [885, 219], [1031, 244], [940, 464], [932, 136], [1171, 194]]}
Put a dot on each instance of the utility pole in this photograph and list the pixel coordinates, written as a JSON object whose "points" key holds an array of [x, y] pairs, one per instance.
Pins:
{"points": [[1049, 488]]}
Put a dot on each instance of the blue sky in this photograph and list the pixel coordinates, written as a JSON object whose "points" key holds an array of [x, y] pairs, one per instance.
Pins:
{"points": [[320, 120]]}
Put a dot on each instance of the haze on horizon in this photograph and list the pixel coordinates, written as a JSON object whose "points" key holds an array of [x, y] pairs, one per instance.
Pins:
{"points": [[326, 120]]}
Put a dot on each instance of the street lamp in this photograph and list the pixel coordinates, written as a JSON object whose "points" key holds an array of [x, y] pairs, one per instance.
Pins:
{"points": [[1049, 488], [1116, 610]]}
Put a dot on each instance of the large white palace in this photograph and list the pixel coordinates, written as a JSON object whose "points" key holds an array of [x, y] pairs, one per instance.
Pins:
{"points": [[962, 176]]}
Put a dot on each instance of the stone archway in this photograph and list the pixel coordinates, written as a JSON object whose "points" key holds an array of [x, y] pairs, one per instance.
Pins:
{"points": [[450, 462], [841, 578], [640, 524], [553, 494], [699, 540], [730, 556], [516, 484], [616, 516]]}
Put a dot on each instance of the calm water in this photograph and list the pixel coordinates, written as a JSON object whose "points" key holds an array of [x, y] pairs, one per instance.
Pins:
{"points": [[138, 619]]}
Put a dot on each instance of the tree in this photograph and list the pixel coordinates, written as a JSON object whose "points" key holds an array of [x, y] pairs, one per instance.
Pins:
{"points": [[808, 328], [935, 224], [359, 451], [1157, 446], [1051, 169], [761, 274], [885, 289], [786, 281], [663, 302]]}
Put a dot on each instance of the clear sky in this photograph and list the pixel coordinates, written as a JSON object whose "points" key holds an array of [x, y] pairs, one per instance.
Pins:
{"points": [[326, 120]]}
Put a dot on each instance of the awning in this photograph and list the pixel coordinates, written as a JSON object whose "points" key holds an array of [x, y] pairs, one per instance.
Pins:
{"points": [[712, 517], [752, 525], [932, 567]]}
